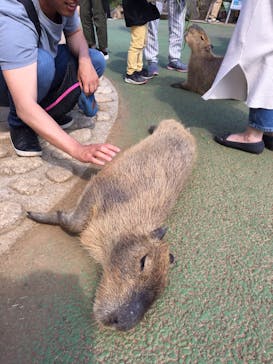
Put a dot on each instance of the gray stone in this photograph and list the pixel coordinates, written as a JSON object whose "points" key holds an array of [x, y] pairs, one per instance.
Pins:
{"points": [[28, 186], [104, 90], [10, 214], [103, 116], [104, 98], [3, 151], [19, 165], [82, 135], [58, 174]]}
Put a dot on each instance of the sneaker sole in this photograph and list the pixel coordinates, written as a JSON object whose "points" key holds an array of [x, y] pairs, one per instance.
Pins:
{"points": [[67, 125], [23, 153], [128, 80], [106, 56], [148, 77], [176, 69]]}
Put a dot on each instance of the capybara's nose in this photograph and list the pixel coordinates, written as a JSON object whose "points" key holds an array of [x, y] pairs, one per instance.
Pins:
{"points": [[129, 314]]}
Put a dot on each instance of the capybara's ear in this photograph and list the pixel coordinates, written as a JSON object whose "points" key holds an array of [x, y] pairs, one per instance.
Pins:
{"points": [[159, 233], [172, 258], [151, 129]]}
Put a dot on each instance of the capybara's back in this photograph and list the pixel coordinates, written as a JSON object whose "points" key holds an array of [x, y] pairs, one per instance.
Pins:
{"points": [[121, 213], [203, 64]]}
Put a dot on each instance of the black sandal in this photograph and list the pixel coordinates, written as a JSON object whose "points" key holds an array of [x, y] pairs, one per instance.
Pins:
{"points": [[255, 148]]}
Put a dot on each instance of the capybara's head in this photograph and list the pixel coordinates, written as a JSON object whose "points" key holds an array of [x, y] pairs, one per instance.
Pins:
{"points": [[136, 275], [197, 38]]}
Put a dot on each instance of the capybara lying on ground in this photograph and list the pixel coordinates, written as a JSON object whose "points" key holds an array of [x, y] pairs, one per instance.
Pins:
{"points": [[120, 216], [203, 65]]}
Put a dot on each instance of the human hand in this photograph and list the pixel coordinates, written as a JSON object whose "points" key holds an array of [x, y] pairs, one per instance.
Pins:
{"points": [[87, 76], [96, 153]]}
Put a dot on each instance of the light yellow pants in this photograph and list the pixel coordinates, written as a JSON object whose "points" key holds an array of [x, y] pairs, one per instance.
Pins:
{"points": [[215, 9], [135, 52]]}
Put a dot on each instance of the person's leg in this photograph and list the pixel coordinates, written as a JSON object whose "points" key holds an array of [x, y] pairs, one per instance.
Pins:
{"points": [[134, 62], [100, 22], [86, 16], [151, 49], [260, 121], [23, 138], [50, 76], [64, 56], [215, 9], [141, 41], [134, 59], [176, 22], [45, 76], [98, 61], [253, 139], [4, 99], [87, 104], [106, 7]]}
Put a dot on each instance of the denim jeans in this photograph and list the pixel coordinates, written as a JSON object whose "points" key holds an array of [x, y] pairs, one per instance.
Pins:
{"points": [[50, 74], [261, 119]]}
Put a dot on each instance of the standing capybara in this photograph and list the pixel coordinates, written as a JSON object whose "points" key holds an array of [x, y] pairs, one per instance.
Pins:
{"points": [[120, 216], [203, 65]]}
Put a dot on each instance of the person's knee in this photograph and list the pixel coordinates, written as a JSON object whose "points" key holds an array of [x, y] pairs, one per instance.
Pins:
{"points": [[98, 61], [45, 71]]}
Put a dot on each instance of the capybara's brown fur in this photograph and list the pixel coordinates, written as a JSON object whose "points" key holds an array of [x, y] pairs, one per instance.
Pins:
{"points": [[203, 65], [120, 216]]}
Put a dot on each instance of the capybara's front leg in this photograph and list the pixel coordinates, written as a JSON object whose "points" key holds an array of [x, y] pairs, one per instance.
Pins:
{"points": [[73, 221], [64, 219]]}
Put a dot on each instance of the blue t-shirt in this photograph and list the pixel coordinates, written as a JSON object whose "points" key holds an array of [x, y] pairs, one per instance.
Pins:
{"points": [[19, 38]]}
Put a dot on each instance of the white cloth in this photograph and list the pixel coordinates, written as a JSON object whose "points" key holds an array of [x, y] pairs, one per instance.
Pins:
{"points": [[247, 70]]}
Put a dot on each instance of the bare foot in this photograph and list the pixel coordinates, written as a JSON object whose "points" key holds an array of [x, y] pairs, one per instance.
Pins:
{"points": [[251, 135]]}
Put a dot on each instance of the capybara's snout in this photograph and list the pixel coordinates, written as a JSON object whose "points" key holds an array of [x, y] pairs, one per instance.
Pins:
{"points": [[129, 314]]}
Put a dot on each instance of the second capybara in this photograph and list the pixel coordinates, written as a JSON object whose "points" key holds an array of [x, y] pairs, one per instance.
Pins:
{"points": [[120, 218], [203, 64]]}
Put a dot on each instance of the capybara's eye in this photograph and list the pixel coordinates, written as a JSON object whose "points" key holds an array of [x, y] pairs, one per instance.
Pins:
{"points": [[142, 262]]}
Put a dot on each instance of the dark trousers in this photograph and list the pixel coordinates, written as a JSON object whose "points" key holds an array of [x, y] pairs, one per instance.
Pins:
{"points": [[94, 23]]}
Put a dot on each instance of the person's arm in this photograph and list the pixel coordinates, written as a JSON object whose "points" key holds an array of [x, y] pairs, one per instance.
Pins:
{"points": [[22, 84], [87, 75]]}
